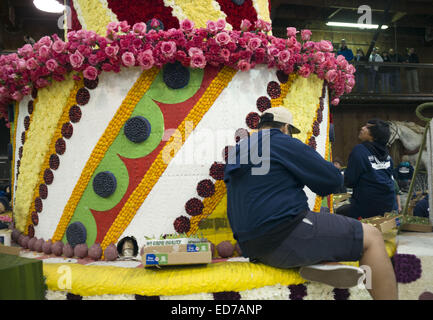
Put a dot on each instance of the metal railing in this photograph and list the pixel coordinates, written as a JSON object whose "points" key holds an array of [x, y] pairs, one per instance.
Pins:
{"points": [[386, 78]]}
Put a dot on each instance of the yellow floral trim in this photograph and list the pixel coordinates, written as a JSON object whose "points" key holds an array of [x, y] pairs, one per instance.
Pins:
{"points": [[262, 9], [209, 206], [48, 108], [200, 14], [214, 277], [52, 146], [94, 15], [161, 162], [14, 148], [123, 113], [301, 100]]}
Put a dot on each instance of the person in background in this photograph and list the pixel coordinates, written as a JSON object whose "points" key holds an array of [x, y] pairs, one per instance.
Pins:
{"points": [[422, 208], [395, 81], [339, 165], [403, 173], [370, 173], [372, 75], [360, 70], [345, 51], [29, 40], [385, 74], [411, 72], [4, 199]]}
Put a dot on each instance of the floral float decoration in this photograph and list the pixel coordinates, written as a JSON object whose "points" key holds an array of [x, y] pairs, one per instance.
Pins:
{"points": [[51, 58]]}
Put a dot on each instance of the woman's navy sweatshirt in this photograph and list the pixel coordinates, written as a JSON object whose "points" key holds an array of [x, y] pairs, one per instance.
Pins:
{"points": [[258, 203], [370, 173]]}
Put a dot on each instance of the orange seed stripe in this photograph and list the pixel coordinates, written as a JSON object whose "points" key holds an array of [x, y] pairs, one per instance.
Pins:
{"points": [[123, 113], [159, 165]]}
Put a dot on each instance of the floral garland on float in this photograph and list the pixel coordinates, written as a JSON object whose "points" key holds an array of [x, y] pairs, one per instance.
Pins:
{"points": [[51, 59]]}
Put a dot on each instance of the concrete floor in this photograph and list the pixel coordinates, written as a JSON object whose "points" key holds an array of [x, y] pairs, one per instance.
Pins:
{"points": [[417, 243]]}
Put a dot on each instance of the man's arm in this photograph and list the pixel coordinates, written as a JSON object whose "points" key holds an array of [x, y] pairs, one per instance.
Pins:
{"points": [[321, 176]]}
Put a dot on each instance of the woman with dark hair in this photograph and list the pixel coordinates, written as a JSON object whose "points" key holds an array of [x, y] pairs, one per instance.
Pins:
{"points": [[370, 173]]}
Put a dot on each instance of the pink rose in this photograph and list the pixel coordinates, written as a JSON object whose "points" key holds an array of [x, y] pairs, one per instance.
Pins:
{"points": [[244, 65], [51, 65], [331, 76], [145, 59], [168, 48], [112, 51], [335, 102], [198, 61], [304, 71], [254, 43], [259, 24], [107, 67], [326, 46], [306, 35], [319, 57], [291, 32], [273, 51], [284, 56], [124, 26], [245, 25], [266, 26], [76, 59], [212, 26], [31, 64], [90, 73], [93, 59], [220, 24], [16, 96], [139, 28], [21, 64], [25, 50], [222, 38], [112, 27], [154, 23], [194, 51], [44, 41], [186, 25], [128, 59], [59, 46], [225, 54], [41, 83], [44, 51]]}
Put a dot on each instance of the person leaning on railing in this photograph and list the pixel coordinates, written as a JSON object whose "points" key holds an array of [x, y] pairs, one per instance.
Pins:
{"points": [[372, 71], [395, 81], [411, 72], [360, 70]]}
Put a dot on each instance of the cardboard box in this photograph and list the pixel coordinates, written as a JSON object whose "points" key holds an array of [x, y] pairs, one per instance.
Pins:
{"points": [[10, 250], [417, 227], [176, 254], [384, 224]]}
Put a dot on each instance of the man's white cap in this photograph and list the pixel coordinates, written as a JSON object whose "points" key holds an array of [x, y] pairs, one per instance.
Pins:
{"points": [[282, 114]]}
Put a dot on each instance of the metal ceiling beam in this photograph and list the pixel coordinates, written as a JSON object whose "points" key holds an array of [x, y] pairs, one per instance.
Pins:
{"points": [[408, 6]]}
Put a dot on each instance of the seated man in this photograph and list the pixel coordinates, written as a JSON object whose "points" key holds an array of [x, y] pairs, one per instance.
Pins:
{"points": [[422, 208], [268, 210], [370, 173], [403, 173]]}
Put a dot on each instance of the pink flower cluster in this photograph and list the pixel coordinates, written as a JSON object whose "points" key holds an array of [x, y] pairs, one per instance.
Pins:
{"points": [[50, 59]]}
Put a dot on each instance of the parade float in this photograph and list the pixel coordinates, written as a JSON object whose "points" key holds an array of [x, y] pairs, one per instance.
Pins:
{"points": [[120, 133]]}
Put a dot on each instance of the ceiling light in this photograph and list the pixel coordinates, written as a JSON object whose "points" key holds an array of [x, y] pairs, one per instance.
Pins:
{"points": [[49, 6], [355, 25]]}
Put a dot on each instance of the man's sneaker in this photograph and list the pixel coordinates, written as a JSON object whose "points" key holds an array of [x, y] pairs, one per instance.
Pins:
{"points": [[336, 275]]}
